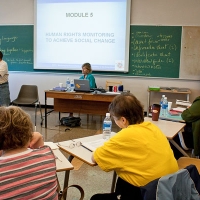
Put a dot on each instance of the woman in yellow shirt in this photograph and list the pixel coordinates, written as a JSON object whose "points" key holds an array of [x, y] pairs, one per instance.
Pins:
{"points": [[139, 153]]}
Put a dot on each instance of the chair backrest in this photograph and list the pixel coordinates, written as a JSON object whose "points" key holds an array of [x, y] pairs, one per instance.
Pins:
{"points": [[28, 91], [183, 184], [113, 83]]}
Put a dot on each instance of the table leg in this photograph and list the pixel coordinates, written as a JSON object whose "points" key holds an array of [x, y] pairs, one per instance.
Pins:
{"points": [[66, 181], [148, 102], [179, 148], [45, 111], [113, 182]]}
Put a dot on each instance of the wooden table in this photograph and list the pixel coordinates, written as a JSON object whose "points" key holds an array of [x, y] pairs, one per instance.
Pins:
{"points": [[76, 102]]}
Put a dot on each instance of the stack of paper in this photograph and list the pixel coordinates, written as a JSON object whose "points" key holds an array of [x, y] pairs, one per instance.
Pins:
{"points": [[174, 113], [183, 103]]}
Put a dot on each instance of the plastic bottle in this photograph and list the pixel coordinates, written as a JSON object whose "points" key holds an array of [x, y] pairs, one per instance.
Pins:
{"points": [[107, 126], [165, 106], [161, 101], [68, 84], [72, 85]]}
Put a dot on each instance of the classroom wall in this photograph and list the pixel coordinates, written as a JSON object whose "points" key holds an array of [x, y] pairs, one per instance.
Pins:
{"points": [[145, 12]]}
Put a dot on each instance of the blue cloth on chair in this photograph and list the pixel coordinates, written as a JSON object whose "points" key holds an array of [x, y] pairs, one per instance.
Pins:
{"points": [[184, 184]]}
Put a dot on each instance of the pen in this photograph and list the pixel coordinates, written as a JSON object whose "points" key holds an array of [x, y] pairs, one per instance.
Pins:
{"points": [[58, 158]]}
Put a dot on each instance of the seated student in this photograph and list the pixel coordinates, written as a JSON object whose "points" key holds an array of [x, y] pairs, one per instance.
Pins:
{"points": [[191, 132], [25, 173], [87, 70], [139, 153]]}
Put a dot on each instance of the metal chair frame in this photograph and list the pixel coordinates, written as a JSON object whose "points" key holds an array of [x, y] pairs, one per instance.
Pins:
{"points": [[28, 95]]}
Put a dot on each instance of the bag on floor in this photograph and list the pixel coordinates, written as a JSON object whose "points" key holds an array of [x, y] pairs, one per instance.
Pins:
{"points": [[70, 121]]}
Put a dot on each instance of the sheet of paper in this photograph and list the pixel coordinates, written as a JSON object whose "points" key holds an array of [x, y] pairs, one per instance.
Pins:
{"points": [[51, 145], [178, 109], [92, 145], [113, 92], [183, 103]]}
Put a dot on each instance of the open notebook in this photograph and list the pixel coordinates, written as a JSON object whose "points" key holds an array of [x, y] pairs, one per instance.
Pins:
{"points": [[92, 145]]}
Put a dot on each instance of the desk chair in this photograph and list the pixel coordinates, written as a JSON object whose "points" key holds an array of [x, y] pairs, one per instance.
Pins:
{"points": [[185, 161], [183, 184], [113, 83], [28, 95]]}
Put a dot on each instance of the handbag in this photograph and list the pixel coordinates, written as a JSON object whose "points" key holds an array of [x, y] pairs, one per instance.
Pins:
{"points": [[62, 193]]}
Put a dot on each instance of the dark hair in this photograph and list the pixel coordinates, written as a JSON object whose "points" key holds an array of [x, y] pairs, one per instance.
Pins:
{"points": [[1, 55], [15, 128], [128, 106], [87, 66]]}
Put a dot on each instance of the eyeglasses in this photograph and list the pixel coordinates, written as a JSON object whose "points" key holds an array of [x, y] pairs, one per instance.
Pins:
{"points": [[72, 145]]}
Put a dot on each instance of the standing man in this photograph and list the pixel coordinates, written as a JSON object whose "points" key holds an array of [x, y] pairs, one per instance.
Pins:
{"points": [[4, 87]]}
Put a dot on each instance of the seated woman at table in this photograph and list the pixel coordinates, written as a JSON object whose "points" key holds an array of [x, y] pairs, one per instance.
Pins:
{"points": [[139, 153], [26, 173], [87, 70]]}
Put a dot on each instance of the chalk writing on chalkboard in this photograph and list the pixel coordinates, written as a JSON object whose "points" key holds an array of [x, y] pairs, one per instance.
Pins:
{"points": [[16, 43], [155, 51]]}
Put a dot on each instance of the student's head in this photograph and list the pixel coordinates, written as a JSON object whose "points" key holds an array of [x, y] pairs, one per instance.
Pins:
{"points": [[1, 55], [86, 68], [15, 128], [127, 106]]}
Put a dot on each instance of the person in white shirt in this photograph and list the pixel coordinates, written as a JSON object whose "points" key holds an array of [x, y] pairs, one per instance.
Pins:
{"points": [[4, 85]]}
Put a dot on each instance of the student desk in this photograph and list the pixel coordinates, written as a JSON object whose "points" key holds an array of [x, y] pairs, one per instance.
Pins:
{"points": [[62, 164], [76, 102], [169, 128]]}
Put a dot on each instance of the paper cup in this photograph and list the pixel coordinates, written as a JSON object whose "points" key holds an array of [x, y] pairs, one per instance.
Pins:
{"points": [[169, 105], [60, 85]]}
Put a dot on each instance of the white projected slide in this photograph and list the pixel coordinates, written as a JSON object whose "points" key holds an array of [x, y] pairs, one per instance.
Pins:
{"points": [[70, 33]]}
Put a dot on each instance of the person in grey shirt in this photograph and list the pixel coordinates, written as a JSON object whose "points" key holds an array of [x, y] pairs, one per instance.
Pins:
{"points": [[4, 86]]}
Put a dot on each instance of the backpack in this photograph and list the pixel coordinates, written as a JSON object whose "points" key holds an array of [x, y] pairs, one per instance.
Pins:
{"points": [[70, 121]]}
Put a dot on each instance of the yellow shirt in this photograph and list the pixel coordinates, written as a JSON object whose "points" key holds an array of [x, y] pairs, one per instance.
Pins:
{"points": [[139, 154]]}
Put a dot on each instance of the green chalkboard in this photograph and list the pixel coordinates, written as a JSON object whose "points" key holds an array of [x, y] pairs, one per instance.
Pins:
{"points": [[16, 43], [154, 50]]}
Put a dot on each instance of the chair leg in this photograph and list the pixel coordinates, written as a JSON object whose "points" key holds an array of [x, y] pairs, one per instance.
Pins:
{"points": [[35, 115], [41, 114]]}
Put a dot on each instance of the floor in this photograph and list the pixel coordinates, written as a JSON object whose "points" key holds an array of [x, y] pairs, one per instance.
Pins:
{"points": [[91, 179]]}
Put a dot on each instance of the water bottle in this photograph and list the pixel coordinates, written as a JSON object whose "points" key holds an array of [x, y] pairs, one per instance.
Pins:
{"points": [[68, 84], [161, 101], [72, 85], [107, 125], [165, 106]]}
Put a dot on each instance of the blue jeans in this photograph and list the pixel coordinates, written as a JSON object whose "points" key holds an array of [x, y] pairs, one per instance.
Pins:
{"points": [[4, 94]]}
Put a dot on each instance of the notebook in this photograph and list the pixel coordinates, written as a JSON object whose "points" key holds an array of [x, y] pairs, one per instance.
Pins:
{"points": [[81, 85]]}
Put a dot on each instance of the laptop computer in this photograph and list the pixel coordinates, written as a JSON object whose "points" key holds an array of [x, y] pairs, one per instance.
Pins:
{"points": [[81, 85]]}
